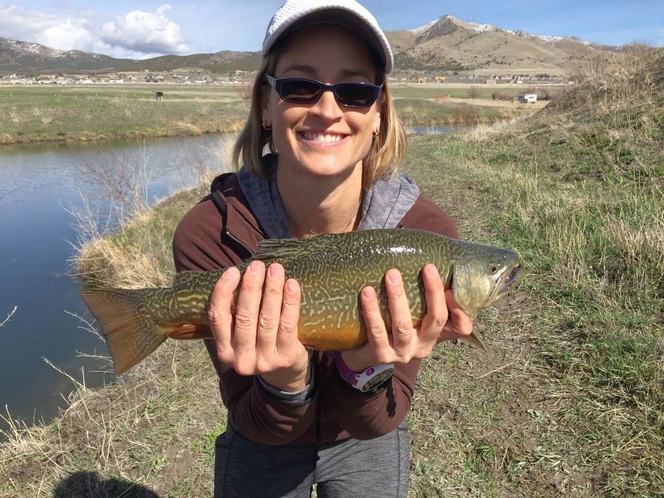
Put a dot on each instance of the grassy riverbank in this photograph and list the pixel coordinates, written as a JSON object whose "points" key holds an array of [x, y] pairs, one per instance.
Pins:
{"points": [[83, 113], [568, 399], [54, 113]]}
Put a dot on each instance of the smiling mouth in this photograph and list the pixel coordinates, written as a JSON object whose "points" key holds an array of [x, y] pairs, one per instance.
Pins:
{"points": [[323, 138]]}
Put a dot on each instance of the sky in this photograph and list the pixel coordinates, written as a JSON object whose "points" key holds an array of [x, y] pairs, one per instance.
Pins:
{"points": [[139, 30]]}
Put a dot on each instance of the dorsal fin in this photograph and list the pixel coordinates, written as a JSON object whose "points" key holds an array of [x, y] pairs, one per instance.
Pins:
{"points": [[185, 276], [287, 248]]}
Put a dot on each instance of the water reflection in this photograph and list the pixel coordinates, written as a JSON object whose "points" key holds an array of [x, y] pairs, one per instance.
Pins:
{"points": [[39, 184]]}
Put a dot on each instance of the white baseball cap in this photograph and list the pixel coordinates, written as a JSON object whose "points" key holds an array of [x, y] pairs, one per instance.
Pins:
{"points": [[294, 14]]}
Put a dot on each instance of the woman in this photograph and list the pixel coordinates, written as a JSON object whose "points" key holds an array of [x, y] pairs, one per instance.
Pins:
{"points": [[297, 418]]}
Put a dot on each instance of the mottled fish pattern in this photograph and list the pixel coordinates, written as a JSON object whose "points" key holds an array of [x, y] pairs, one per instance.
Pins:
{"points": [[331, 269]]}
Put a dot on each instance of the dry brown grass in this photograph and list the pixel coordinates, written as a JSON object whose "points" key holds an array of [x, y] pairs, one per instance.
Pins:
{"points": [[149, 435]]}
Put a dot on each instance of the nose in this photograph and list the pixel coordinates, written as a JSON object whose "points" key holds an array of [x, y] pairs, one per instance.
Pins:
{"points": [[327, 106]]}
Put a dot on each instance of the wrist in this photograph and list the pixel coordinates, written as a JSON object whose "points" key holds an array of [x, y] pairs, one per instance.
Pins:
{"points": [[366, 380], [355, 360], [288, 380]]}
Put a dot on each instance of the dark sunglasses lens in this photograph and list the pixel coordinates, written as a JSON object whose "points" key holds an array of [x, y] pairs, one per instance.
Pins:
{"points": [[300, 90], [357, 95]]}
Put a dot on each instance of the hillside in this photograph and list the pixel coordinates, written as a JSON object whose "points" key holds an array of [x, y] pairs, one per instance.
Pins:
{"points": [[18, 56], [451, 44], [445, 44]]}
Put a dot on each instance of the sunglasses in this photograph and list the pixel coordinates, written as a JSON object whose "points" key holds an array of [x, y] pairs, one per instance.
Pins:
{"points": [[305, 91]]}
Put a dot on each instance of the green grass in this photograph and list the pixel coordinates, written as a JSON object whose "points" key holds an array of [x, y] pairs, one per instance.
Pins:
{"points": [[577, 407], [65, 113], [37, 113], [418, 112], [415, 91]]}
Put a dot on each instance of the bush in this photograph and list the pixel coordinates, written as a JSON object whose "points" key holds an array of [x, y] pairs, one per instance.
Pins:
{"points": [[502, 96], [542, 93], [245, 90]]}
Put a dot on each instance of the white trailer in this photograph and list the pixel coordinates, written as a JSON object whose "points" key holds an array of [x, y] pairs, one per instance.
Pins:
{"points": [[527, 98]]}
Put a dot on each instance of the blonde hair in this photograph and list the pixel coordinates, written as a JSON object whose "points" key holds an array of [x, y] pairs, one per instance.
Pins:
{"points": [[385, 155]]}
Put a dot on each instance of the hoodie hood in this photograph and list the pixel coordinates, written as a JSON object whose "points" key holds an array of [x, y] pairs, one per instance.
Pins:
{"points": [[383, 205]]}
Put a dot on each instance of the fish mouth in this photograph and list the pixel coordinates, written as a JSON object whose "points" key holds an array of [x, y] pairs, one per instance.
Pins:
{"points": [[510, 279]]}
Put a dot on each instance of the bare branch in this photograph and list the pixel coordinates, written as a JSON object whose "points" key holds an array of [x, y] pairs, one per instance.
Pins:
{"points": [[8, 316]]}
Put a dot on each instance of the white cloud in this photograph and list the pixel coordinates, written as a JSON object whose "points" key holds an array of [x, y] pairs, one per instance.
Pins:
{"points": [[23, 24], [145, 32], [68, 35], [137, 34]]}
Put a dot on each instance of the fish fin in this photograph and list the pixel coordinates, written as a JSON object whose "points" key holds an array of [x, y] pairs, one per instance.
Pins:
{"points": [[474, 340], [129, 334], [185, 276], [286, 248], [190, 331]]}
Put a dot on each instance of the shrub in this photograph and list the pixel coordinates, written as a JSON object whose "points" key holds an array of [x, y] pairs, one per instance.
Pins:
{"points": [[502, 96], [473, 92]]}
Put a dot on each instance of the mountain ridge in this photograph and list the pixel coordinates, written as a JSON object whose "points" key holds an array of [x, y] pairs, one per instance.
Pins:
{"points": [[444, 44]]}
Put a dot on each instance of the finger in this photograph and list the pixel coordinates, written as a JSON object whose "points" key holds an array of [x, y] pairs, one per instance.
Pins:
{"points": [[437, 313], [459, 324], [219, 313], [402, 323], [287, 337], [246, 316], [373, 320], [270, 312]]}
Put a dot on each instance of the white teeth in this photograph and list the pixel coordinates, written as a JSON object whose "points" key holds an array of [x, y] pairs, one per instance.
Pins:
{"points": [[321, 137]]}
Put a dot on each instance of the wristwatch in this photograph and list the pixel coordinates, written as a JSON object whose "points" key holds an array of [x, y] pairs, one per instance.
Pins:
{"points": [[365, 381]]}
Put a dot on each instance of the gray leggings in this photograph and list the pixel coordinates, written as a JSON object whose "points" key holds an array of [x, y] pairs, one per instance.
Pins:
{"points": [[346, 469]]}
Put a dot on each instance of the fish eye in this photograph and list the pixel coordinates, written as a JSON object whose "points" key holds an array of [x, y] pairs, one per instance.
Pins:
{"points": [[493, 267]]}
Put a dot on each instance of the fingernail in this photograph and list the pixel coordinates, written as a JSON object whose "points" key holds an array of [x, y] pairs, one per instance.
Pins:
{"points": [[255, 267], [229, 273], [276, 271], [368, 293], [291, 286], [431, 271], [394, 276]]}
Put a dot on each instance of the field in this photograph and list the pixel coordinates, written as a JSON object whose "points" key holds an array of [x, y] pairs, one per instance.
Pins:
{"points": [[48, 113], [87, 112], [568, 400]]}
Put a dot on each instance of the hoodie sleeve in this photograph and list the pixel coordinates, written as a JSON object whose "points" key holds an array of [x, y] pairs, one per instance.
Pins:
{"points": [[370, 415], [258, 413]]}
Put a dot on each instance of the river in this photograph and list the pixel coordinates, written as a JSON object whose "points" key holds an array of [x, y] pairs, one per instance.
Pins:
{"points": [[39, 186]]}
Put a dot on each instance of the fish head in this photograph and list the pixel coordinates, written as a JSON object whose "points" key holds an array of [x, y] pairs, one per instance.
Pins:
{"points": [[483, 275]]}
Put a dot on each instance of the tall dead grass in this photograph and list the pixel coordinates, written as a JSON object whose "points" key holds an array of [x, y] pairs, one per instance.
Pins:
{"points": [[121, 243]]}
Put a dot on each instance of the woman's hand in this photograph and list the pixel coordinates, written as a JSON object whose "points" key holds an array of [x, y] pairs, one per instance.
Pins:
{"points": [[444, 321], [260, 338]]}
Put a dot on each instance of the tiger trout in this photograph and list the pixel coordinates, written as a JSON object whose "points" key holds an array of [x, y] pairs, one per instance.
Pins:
{"points": [[331, 269]]}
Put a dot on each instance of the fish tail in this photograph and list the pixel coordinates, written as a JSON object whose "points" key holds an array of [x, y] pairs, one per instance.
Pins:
{"points": [[129, 334]]}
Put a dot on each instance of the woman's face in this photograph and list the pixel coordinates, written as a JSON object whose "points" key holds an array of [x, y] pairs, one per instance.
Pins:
{"points": [[322, 139]]}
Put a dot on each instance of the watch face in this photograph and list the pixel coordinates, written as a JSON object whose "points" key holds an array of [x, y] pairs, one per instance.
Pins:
{"points": [[377, 379]]}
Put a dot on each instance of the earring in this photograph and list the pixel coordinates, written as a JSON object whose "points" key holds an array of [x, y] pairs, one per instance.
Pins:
{"points": [[266, 127]]}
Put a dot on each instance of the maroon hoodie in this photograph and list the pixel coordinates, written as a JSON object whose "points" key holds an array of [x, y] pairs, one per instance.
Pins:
{"points": [[221, 231]]}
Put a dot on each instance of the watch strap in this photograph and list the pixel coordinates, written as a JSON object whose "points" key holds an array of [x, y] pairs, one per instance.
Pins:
{"points": [[367, 380]]}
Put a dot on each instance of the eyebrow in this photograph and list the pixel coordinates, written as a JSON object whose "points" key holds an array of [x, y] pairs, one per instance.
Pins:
{"points": [[310, 70]]}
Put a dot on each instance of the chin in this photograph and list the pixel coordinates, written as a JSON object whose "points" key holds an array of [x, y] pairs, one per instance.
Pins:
{"points": [[329, 168]]}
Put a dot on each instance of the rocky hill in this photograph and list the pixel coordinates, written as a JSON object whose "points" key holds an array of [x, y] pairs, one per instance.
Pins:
{"points": [[18, 56], [444, 44], [451, 44]]}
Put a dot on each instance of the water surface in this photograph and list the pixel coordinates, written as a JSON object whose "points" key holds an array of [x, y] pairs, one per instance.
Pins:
{"points": [[38, 185]]}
